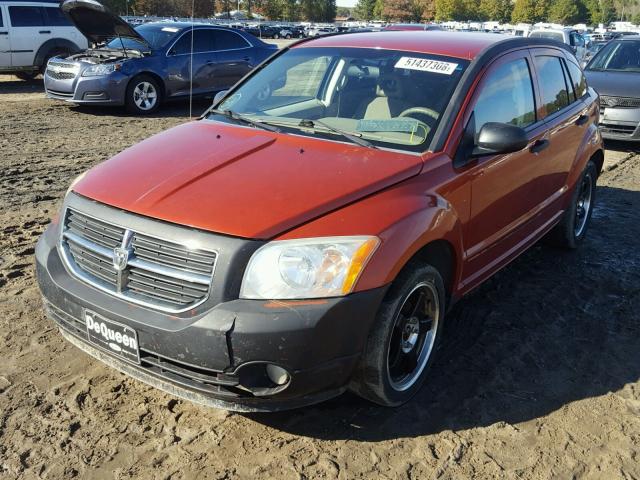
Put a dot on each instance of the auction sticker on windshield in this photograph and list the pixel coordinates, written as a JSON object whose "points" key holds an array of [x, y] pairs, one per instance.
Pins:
{"points": [[114, 337], [426, 65]]}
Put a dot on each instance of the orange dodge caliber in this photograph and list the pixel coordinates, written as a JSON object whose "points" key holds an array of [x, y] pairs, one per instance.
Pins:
{"points": [[308, 234]]}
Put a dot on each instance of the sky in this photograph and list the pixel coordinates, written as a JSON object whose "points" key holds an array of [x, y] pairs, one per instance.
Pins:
{"points": [[347, 3]]}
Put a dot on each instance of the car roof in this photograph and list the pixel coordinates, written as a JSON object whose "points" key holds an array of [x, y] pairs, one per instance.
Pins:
{"points": [[183, 25], [460, 45]]}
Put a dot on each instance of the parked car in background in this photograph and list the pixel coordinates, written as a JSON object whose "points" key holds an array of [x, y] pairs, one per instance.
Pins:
{"points": [[31, 32], [263, 31], [142, 67], [310, 232], [593, 48], [614, 72], [413, 26], [567, 35]]}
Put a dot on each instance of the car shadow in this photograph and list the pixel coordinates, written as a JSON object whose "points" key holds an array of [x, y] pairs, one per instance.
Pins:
{"points": [[13, 85], [620, 146], [552, 328]]}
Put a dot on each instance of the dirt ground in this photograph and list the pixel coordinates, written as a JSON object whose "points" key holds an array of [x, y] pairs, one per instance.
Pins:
{"points": [[539, 377]]}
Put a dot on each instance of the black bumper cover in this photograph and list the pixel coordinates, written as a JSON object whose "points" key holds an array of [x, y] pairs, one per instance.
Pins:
{"points": [[201, 356]]}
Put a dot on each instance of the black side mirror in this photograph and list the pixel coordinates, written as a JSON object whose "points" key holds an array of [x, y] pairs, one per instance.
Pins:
{"points": [[495, 138]]}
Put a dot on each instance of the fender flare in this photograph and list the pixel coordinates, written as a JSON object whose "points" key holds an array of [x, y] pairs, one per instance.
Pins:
{"points": [[53, 44]]}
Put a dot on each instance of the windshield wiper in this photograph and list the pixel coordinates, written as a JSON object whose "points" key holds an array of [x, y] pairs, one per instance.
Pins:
{"points": [[349, 136], [241, 118]]}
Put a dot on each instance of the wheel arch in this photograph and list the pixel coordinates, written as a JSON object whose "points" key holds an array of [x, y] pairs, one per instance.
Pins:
{"points": [[53, 44]]}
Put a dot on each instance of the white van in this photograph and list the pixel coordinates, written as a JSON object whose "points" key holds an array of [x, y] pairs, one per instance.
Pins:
{"points": [[31, 32]]}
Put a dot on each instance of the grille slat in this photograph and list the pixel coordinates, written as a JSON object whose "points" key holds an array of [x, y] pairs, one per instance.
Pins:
{"points": [[619, 102], [158, 273], [172, 255]]}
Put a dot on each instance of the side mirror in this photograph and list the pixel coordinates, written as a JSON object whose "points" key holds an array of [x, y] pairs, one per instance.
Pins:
{"points": [[219, 96], [495, 138]]}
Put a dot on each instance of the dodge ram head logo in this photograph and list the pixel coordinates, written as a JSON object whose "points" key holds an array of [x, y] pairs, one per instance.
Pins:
{"points": [[120, 258]]}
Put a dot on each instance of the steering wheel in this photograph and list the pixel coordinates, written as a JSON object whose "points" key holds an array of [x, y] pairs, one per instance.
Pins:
{"points": [[431, 114]]}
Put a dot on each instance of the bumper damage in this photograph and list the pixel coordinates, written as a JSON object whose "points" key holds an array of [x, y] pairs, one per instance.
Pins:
{"points": [[219, 356]]}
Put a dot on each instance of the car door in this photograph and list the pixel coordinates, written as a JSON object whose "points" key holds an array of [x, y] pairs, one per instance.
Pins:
{"points": [[566, 117], [181, 61], [5, 40], [234, 58], [28, 33], [61, 27], [503, 187]]}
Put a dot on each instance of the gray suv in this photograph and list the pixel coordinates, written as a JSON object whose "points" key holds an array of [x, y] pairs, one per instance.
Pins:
{"points": [[141, 67]]}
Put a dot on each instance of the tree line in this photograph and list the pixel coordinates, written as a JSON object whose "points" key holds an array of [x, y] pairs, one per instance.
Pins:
{"points": [[566, 12], [289, 10]]}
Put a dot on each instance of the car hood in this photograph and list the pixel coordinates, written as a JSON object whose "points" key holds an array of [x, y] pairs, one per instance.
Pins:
{"points": [[96, 22], [614, 84], [241, 181]]}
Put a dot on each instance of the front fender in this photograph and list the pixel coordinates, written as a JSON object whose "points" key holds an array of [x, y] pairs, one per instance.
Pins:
{"points": [[405, 217]]}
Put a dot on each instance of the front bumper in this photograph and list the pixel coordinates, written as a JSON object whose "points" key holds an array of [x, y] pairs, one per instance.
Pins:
{"points": [[212, 356], [620, 124], [103, 90]]}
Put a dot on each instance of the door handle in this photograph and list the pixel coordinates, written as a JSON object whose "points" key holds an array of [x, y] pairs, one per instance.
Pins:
{"points": [[247, 58], [582, 119], [4, 33], [44, 31], [538, 146]]}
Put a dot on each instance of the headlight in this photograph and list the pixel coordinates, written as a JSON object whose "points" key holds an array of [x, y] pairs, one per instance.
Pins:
{"points": [[307, 268], [101, 69]]}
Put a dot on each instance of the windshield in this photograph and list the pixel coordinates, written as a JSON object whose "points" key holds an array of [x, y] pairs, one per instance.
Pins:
{"points": [[550, 35], [390, 98], [620, 56], [155, 35]]}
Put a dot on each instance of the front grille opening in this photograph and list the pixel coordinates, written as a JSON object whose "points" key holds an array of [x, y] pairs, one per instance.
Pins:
{"points": [[158, 273]]}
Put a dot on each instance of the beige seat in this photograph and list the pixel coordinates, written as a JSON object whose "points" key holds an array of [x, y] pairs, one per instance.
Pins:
{"points": [[389, 101]]}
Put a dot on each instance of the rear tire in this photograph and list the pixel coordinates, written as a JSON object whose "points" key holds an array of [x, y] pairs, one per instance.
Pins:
{"points": [[572, 229], [403, 339], [143, 95]]}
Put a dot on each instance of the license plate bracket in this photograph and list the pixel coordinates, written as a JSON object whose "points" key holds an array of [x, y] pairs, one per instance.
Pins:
{"points": [[118, 339]]}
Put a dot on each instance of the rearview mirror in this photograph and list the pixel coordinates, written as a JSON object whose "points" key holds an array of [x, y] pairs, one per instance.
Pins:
{"points": [[219, 96], [495, 138]]}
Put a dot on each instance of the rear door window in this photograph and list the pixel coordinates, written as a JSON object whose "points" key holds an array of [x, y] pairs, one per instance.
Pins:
{"points": [[507, 96], [55, 18], [1, 22], [22, 16], [554, 91], [225, 40], [577, 79], [203, 41]]}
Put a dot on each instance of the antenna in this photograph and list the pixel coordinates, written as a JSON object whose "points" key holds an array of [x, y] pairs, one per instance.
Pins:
{"points": [[193, 6]]}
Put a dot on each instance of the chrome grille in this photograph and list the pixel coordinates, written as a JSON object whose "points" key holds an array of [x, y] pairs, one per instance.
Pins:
{"points": [[157, 273], [60, 75], [619, 102], [62, 70]]}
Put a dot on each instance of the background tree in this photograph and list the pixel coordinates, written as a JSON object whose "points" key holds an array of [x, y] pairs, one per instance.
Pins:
{"points": [[378, 10], [564, 12], [398, 10], [524, 11], [364, 9], [497, 10], [272, 9], [424, 10], [452, 10]]}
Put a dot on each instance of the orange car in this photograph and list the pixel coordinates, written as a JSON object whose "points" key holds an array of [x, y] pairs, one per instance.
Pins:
{"points": [[309, 232]]}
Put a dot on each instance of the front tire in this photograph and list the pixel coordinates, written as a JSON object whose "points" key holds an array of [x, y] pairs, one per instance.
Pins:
{"points": [[142, 95], [572, 229], [403, 339]]}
